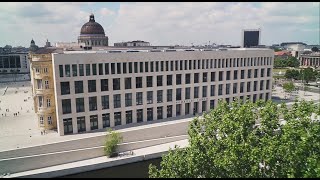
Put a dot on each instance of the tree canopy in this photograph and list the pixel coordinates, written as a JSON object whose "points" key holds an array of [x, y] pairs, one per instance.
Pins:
{"points": [[289, 62], [314, 49], [248, 140]]}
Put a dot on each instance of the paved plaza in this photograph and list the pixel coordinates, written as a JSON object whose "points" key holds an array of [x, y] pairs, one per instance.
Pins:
{"points": [[22, 130]]}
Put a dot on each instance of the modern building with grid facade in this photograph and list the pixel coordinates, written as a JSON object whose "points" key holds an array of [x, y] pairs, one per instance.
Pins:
{"points": [[99, 89]]}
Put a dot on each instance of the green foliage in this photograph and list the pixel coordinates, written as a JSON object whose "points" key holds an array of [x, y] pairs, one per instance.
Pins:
{"points": [[314, 49], [308, 74], [288, 87], [289, 62], [247, 140], [113, 138], [292, 74]]}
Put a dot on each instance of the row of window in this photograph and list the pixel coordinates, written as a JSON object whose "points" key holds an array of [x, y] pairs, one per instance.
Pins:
{"points": [[158, 66], [10, 62], [116, 82], [93, 106], [117, 118], [41, 119]]}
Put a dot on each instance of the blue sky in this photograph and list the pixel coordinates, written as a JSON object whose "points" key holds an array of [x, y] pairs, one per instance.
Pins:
{"points": [[166, 23]]}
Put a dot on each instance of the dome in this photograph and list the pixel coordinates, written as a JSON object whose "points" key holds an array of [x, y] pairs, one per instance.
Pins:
{"points": [[92, 27]]}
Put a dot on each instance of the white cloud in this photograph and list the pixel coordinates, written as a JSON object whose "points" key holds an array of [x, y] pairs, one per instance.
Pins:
{"points": [[106, 12]]}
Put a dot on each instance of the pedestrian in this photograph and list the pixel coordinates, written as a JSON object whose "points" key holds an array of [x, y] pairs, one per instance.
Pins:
{"points": [[18, 112], [41, 133]]}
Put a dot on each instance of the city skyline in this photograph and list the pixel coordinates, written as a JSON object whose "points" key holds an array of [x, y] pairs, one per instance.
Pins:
{"points": [[160, 23]]}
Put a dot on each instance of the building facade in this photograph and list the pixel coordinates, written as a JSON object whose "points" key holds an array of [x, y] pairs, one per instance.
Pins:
{"points": [[132, 44], [95, 90], [92, 34], [43, 87], [14, 62], [251, 38], [311, 59]]}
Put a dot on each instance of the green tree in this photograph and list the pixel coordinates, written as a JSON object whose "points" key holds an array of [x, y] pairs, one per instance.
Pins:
{"points": [[279, 63], [308, 75], [113, 138], [288, 87], [247, 140], [314, 49], [292, 62]]}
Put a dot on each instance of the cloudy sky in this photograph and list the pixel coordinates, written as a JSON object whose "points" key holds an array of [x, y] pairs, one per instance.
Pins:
{"points": [[166, 23]]}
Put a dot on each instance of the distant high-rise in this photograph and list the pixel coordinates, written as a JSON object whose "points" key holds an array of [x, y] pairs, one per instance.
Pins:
{"points": [[251, 37]]}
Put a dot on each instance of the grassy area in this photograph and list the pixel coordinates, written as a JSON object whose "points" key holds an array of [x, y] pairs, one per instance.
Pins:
{"points": [[278, 70], [280, 77]]}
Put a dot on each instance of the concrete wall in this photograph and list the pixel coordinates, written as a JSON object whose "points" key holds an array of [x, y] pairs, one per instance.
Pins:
{"points": [[143, 133], [19, 164]]}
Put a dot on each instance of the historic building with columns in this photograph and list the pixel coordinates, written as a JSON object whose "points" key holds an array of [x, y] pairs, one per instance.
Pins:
{"points": [[310, 59]]}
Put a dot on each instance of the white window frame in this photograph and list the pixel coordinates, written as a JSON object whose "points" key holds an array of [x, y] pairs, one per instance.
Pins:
{"points": [[37, 69], [48, 102], [41, 120], [45, 70], [46, 84], [49, 120]]}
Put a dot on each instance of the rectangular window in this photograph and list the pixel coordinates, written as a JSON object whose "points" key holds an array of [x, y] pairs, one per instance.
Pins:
{"points": [[159, 113], [204, 91], [117, 100], [149, 114], [117, 118], [262, 72], [100, 69], [104, 85], [194, 64], [211, 104], [149, 81], [241, 87], [138, 82], [261, 85], [40, 101], [203, 63], [93, 122], [178, 94], [74, 70], [242, 74], [93, 103], [188, 78], [80, 105], [87, 69], [176, 65], [157, 66], [39, 83], [81, 70], [113, 68], [78, 87], [169, 111], [169, 80], [139, 98], [151, 66], [146, 66], [220, 75], [67, 126], [167, 65], [255, 84], [248, 86], [249, 73], [228, 88], [92, 86], [235, 87], [162, 66], [220, 89], [118, 68], [212, 90], [159, 81], [181, 65], [67, 70], [149, 97], [130, 67], [66, 106], [106, 68], [196, 92], [128, 117], [48, 102], [106, 120], [171, 65], [61, 70], [196, 77], [268, 72], [187, 108], [127, 83], [228, 75], [178, 79], [235, 74], [268, 85], [159, 96], [213, 76], [178, 109], [204, 77], [105, 102], [139, 115], [255, 73], [81, 123], [124, 67], [185, 64], [190, 64], [128, 99], [169, 95], [65, 88], [204, 106], [141, 67], [116, 84], [188, 92]]}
